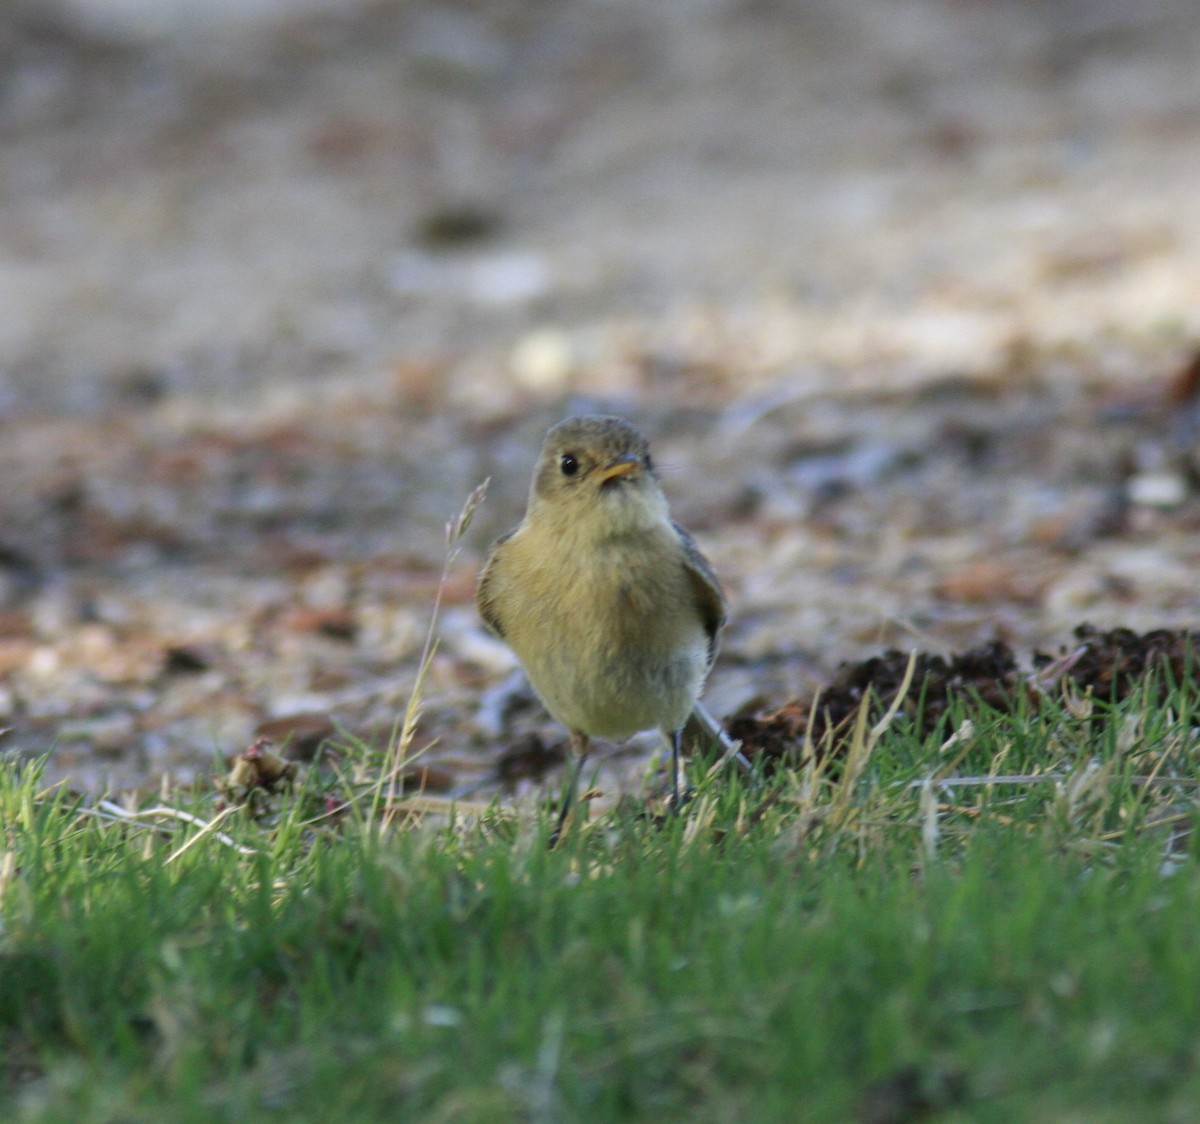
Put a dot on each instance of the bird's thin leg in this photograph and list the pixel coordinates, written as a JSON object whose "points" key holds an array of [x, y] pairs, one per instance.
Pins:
{"points": [[676, 738], [580, 747], [701, 725]]}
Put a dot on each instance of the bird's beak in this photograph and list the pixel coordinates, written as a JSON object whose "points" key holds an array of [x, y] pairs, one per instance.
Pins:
{"points": [[622, 466]]}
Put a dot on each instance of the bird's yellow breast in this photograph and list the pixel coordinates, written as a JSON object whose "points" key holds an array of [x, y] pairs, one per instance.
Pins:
{"points": [[608, 632]]}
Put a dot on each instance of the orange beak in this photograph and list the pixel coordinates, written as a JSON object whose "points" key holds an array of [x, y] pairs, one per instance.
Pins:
{"points": [[622, 466]]}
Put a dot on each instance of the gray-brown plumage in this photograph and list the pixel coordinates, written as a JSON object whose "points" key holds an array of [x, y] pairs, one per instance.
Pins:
{"points": [[609, 605]]}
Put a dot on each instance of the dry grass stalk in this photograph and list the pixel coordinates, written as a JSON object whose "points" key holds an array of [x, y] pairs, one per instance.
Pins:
{"points": [[862, 745], [114, 813], [399, 753]]}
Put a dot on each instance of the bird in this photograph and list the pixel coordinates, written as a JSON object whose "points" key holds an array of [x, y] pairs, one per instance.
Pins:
{"points": [[608, 604]]}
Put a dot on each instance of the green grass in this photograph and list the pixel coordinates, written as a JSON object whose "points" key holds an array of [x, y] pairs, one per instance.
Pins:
{"points": [[840, 944]]}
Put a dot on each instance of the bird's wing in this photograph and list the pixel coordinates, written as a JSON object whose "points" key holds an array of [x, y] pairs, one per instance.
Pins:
{"points": [[706, 588], [485, 588]]}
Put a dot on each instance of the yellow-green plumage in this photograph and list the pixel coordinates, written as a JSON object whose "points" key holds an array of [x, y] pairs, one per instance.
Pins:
{"points": [[610, 607]]}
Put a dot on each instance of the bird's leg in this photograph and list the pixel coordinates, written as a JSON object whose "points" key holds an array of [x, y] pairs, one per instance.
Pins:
{"points": [[678, 798], [703, 729], [580, 746], [676, 738]]}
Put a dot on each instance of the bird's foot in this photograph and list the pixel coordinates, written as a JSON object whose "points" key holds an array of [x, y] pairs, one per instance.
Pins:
{"points": [[680, 800]]}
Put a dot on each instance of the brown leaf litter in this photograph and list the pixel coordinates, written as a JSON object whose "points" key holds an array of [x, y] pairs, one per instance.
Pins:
{"points": [[1105, 664]]}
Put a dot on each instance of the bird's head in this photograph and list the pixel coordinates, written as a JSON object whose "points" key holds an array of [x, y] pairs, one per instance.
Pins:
{"points": [[596, 472]]}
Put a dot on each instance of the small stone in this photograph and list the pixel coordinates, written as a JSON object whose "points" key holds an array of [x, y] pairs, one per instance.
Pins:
{"points": [[509, 278], [106, 734], [543, 360], [1157, 489], [298, 735]]}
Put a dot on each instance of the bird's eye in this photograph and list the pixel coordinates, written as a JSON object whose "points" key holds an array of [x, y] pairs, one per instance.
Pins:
{"points": [[569, 464]]}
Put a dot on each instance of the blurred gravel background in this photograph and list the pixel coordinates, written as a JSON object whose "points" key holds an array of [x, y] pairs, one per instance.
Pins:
{"points": [[907, 294]]}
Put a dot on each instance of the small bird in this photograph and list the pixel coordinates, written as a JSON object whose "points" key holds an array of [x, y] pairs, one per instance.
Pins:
{"points": [[609, 605]]}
